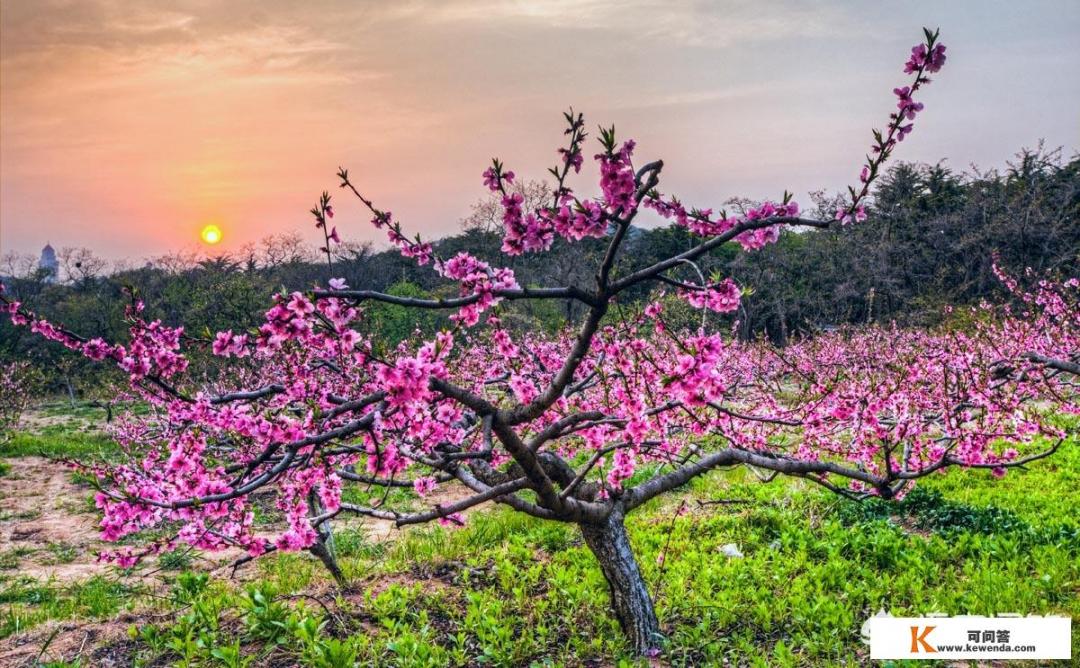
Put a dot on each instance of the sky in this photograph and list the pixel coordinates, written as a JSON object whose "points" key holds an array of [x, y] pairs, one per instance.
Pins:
{"points": [[126, 127]]}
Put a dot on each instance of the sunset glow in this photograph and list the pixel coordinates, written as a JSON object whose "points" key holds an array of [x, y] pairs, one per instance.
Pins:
{"points": [[136, 119], [211, 234]]}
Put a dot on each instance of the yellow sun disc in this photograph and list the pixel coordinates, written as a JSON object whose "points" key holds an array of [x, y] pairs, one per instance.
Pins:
{"points": [[211, 234]]}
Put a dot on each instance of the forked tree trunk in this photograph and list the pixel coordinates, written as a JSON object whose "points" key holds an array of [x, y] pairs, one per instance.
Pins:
{"points": [[630, 599]]}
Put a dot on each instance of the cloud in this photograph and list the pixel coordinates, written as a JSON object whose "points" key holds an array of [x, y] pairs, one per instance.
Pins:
{"points": [[715, 24]]}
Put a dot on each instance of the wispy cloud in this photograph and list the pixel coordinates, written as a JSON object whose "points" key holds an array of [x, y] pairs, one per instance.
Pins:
{"points": [[715, 24]]}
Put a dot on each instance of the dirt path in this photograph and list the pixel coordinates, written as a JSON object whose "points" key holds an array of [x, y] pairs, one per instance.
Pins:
{"points": [[47, 529]]}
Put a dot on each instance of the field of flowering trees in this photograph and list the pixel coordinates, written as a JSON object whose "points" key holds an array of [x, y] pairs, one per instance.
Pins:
{"points": [[775, 483]]}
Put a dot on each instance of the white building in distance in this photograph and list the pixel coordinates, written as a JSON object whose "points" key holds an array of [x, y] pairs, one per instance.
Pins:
{"points": [[48, 264]]}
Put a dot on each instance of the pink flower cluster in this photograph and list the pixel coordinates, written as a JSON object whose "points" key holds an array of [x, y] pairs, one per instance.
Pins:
{"points": [[524, 232], [576, 221], [417, 250], [846, 215], [406, 381], [227, 344], [908, 107], [503, 343], [570, 218], [623, 466], [924, 58], [424, 485], [476, 278], [617, 178], [494, 178], [722, 297], [573, 159], [765, 220]]}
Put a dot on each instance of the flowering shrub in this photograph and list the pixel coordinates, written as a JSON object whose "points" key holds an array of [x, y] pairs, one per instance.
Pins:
{"points": [[18, 383], [583, 427]]}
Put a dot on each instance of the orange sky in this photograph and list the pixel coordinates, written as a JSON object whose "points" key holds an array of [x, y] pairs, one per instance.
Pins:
{"points": [[126, 127]]}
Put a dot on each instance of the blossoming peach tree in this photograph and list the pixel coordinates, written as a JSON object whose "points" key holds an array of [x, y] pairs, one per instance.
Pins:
{"points": [[584, 427], [18, 382]]}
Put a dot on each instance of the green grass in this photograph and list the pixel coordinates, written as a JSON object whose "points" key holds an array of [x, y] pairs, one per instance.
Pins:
{"points": [[9, 559], [61, 553], [509, 590], [58, 441], [89, 410], [25, 602], [176, 560], [64, 409]]}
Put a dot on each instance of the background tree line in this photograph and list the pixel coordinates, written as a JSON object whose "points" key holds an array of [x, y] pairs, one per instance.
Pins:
{"points": [[927, 244]]}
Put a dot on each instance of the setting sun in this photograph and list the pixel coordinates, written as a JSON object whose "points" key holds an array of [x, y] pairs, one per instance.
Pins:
{"points": [[211, 234]]}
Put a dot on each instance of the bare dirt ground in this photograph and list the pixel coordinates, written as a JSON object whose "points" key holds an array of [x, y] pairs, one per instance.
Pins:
{"points": [[46, 527], [97, 644]]}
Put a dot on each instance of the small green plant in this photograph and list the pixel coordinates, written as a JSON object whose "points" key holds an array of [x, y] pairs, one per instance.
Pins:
{"points": [[232, 656], [189, 585], [266, 617], [331, 653]]}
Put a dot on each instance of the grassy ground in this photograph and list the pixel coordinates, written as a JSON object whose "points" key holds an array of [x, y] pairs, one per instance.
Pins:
{"points": [[508, 590]]}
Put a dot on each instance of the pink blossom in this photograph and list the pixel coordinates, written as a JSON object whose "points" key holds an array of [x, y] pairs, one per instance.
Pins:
{"points": [[452, 520], [936, 58], [624, 463], [722, 297], [572, 159], [96, 349], [300, 305], [424, 485]]}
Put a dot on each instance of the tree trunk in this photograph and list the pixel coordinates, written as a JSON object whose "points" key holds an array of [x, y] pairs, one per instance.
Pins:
{"points": [[320, 550], [71, 390], [630, 598], [324, 544]]}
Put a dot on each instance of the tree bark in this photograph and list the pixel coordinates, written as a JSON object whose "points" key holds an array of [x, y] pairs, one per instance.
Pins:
{"points": [[630, 599], [324, 544], [326, 556]]}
